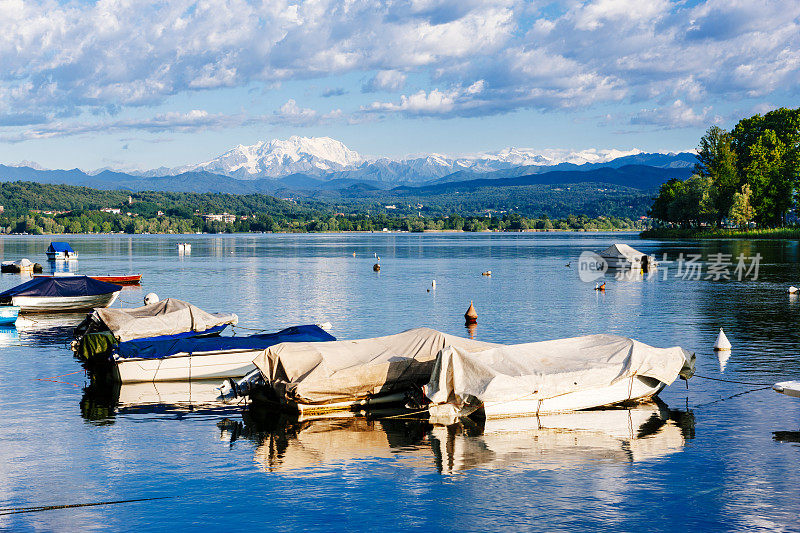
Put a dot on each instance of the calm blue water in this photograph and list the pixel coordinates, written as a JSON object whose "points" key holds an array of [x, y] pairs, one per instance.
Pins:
{"points": [[709, 457]]}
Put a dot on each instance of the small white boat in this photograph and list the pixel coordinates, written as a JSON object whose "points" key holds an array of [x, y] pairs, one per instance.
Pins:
{"points": [[624, 257], [44, 304], [198, 358], [333, 376], [789, 388], [186, 366], [551, 376], [22, 266], [60, 294], [184, 248], [61, 251]]}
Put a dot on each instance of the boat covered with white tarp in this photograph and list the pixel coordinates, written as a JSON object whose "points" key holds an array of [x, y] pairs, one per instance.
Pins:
{"points": [[551, 376], [167, 319], [328, 376], [622, 256]]}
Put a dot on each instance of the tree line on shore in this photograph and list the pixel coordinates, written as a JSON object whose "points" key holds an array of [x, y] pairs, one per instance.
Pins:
{"points": [[78, 210], [750, 174]]}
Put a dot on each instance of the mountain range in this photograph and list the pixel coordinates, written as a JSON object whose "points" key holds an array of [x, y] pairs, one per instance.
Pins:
{"points": [[299, 165]]}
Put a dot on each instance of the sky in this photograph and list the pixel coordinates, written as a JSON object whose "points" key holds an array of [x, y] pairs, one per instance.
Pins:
{"points": [[127, 84]]}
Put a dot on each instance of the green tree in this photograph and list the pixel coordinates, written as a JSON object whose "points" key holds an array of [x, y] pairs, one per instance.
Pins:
{"points": [[741, 212], [768, 159], [767, 176], [717, 160]]}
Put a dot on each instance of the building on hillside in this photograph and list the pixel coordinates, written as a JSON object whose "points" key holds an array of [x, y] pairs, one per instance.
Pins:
{"points": [[224, 217], [113, 210]]}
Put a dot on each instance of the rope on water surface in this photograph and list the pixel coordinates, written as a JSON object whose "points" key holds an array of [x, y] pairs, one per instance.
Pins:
{"points": [[54, 380], [730, 397], [734, 381], [17, 510]]}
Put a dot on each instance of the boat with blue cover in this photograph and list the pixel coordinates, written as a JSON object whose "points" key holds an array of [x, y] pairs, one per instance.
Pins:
{"points": [[200, 358], [61, 251], [8, 314], [169, 319], [60, 294]]}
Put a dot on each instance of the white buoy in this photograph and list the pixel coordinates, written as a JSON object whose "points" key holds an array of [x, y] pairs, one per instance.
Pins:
{"points": [[150, 298], [793, 290], [722, 343], [433, 284]]}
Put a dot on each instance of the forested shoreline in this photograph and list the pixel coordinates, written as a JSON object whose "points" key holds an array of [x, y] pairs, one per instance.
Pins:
{"points": [[746, 179], [33, 208]]}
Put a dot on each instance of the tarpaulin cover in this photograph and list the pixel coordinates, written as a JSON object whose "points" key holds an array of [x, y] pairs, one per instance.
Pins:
{"points": [[326, 372], [60, 247], [167, 317], [622, 251], [150, 349], [550, 368], [62, 286]]}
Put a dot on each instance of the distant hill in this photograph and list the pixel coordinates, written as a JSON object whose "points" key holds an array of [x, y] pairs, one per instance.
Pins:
{"points": [[613, 188], [634, 176]]}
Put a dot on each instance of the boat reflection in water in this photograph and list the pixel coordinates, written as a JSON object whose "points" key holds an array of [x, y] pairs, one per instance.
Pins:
{"points": [[104, 399], [640, 433], [41, 330]]}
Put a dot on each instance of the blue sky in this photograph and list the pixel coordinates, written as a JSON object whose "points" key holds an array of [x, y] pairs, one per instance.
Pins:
{"points": [[122, 83]]}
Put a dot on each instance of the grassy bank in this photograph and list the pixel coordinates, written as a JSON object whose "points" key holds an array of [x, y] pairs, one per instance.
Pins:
{"points": [[718, 233]]}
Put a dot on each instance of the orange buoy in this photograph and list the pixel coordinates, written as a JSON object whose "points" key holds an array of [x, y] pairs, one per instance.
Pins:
{"points": [[471, 316], [601, 287]]}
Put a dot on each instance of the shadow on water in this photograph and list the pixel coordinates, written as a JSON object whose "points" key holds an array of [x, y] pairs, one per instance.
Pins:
{"points": [[288, 443]]}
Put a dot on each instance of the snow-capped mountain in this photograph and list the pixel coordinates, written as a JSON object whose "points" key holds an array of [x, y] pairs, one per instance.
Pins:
{"points": [[325, 158], [277, 158]]}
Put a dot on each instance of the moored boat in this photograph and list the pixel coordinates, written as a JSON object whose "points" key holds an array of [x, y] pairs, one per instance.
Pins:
{"points": [[333, 376], [126, 279], [168, 319], [61, 251], [22, 266], [552, 376], [60, 294], [789, 388], [199, 358], [624, 257]]}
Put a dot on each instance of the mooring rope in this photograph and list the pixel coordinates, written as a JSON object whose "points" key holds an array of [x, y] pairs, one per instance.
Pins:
{"points": [[17, 510], [734, 381]]}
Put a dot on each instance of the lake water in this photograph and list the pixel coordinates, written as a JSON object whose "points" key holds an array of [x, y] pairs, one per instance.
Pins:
{"points": [[721, 456]]}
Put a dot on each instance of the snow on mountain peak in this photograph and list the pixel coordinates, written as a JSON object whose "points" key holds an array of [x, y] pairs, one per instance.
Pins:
{"points": [[278, 158], [324, 156]]}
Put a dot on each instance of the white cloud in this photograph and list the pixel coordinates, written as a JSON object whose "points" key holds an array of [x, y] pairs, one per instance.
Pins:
{"points": [[65, 59], [385, 80], [435, 102], [677, 115], [193, 121], [291, 114]]}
